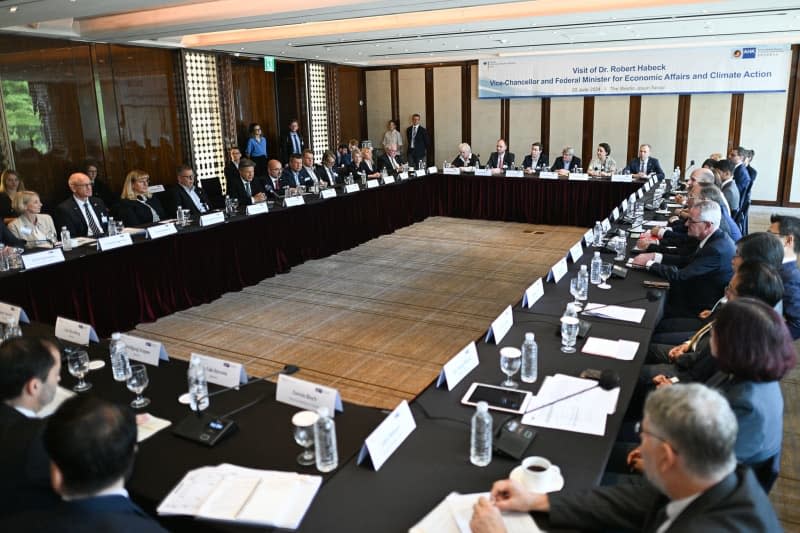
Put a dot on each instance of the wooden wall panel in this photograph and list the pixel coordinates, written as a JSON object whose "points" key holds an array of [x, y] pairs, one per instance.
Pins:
{"points": [[789, 182], [254, 101], [351, 96]]}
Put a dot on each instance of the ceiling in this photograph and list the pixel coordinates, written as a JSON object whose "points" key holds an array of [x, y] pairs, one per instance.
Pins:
{"points": [[373, 33]]}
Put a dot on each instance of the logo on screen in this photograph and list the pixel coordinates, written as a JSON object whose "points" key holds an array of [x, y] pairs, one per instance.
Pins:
{"points": [[748, 53], [737, 54]]}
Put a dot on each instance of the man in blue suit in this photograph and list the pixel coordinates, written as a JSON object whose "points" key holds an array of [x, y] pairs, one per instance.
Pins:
{"points": [[697, 280], [788, 229], [740, 174], [644, 165]]}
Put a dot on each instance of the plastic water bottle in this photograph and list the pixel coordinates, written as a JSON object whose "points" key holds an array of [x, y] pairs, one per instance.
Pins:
{"points": [[4, 266], [597, 263], [112, 227], [583, 277], [598, 234], [480, 445], [325, 452], [66, 240], [530, 359], [198, 386], [120, 366]]}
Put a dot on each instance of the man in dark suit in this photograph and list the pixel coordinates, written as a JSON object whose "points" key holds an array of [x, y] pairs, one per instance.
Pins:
{"points": [[308, 174], [502, 158], [697, 280], [418, 141], [391, 160], [8, 239], [326, 172], [29, 373], [688, 437], [567, 162], [537, 157], [291, 176], [740, 174], [644, 165], [788, 229], [232, 166], [272, 185], [293, 141], [245, 187], [92, 445], [343, 157], [728, 185], [186, 196], [99, 187], [82, 214]]}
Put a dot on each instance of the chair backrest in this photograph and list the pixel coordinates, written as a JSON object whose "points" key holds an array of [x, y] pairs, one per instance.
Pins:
{"points": [[767, 471]]}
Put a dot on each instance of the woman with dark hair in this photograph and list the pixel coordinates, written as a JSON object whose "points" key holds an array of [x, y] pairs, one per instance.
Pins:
{"points": [[257, 150], [761, 246], [602, 165]]}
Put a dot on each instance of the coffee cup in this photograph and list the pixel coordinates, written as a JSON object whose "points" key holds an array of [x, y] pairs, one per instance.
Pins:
{"points": [[537, 473]]}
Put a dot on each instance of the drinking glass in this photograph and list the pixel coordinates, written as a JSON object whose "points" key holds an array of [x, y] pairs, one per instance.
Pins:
{"points": [[187, 217], [120, 227], [578, 170], [15, 259], [78, 366], [510, 361], [569, 333], [621, 247], [303, 423], [605, 273], [137, 382], [575, 291], [235, 205]]}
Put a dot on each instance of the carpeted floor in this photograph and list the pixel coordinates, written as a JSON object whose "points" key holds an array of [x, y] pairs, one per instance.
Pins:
{"points": [[378, 321]]}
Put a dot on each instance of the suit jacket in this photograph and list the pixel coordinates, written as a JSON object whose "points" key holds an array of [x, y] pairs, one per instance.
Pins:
{"points": [[528, 162], [653, 167], [231, 171], [753, 172], [102, 513], [737, 503], [68, 214], [287, 178], [698, 280], [24, 464], [181, 198], [383, 162], [135, 213], [236, 190], [421, 142], [574, 163], [308, 177], [322, 175], [790, 275], [8, 238], [473, 161], [6, 211], [742, 179], [272, 190], [287, 146], [731, 193], [508, 160]]}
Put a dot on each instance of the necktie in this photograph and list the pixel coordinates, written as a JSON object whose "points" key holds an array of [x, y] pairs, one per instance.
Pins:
{"points": [[92, 224], [642, 167], [413, 135], [247, 188], [296, 179], [500, 161], [330, 175], [296, 143]]}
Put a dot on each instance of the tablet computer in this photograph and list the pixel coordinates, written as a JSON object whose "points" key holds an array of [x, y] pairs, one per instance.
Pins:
{"points": [[498, 398]]}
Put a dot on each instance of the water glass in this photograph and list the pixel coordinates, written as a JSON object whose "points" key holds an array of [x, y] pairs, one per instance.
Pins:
{"points": [[569, 333], [510, 362], [575, 290], [578, 170], [621, 247], [136, 383], [303, 423], [78, 366], [605, 273], [120, 227]]}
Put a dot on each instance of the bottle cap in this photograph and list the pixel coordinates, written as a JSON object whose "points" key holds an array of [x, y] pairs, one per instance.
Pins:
{"points": [[483, 407], [529, 336], [115, 336], [323, 411], [597, 254]]}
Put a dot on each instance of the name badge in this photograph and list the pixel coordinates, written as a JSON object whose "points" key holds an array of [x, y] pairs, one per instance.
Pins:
{"points": [[451, 171], [307, 395], [533, 293], [588, 237], [218, 217], [222, 372], [161, 230], [25, 231], [483, 171], [327, 193], [403, 176], [388, 179], [40, 259], [152, 189], [548, 175], [293, 201], [75, 332], [500, 326], [257, 209], [458, 367], [432, 170], [558, 270], [371, 184], [115, 241], [388, 436], [578, 177], [143, 350], [12, 313], [576, 251], [353, 187], [615, 213], [622, 178]]}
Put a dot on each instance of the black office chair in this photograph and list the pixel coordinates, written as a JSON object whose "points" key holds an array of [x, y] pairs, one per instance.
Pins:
{"points": [[767, 471], [213, 189]]}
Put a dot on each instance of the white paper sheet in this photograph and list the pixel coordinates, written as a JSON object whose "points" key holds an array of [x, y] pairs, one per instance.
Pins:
{"points": [[453, 514], [616, 349], [616, 312]]}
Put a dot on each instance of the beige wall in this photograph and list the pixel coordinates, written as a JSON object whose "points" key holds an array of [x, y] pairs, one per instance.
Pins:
{"points": [[447, 112], [658, 125], [525, 126], [411, 96], [611, 114], [379, 104], [485, 122], [566, 126], [759, 133], [709, 118]]}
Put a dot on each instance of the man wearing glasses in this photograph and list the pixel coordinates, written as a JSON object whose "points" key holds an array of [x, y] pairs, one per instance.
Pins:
{"points": [[688, 437], [83, 214]]}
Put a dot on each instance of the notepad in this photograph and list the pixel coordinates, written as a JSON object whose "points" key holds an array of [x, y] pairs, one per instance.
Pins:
{"points": [[453, 514], [616, 349], [615, 312]]}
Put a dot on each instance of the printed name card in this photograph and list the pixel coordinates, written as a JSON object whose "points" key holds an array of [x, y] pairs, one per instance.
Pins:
{"points": [[222, 372], [533, 293], [155, 188], [115, 241], [615, 213], [640, 193], [558, 270], [483, 171], [327, 193], [621, 178], [514, 174], [143, 350], [307, 395], [403, 176], [458, 367], [588, 237], [419, 172], [40, 259], [388, 179], [12, 313], [75, 332], [606, 225], [388, 436], [353, 187], [576, 251], [632, 198], [578, 177], [624, 205], [218, 217], [451, 171], [647, 186], [294, 201], [161, 230], [500, 326], [257, 209], [371, 184], [548, 175], [432, 170]]}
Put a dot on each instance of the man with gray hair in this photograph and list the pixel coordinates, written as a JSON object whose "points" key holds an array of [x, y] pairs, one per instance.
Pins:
{"points": [[688, 435], [697, 280]]}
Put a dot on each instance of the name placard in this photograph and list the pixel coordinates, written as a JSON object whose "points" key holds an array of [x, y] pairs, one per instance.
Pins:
{"points": [[576, 251], [143, 350], [483, 171], [622, 178], [632, 198], [606, 225], [578, 177], [257, 209], [217, 217], [533, 293], [353, 187], [327, 193], [558, 270], [515, 174], [647, 186], [640, 193], [548, 175], [388, 436], [432, 170], [615, 213], [500, 326], [371, 184], [624, 205], [458, 366], [293, 201], [75, 332], [451, 171], [419, 172], [155, 188], [222, 372], [388, 179], [588, 237], [403, 176], [115, 241], [12, 313], [161, 230], [40, 259], [307, 395]]}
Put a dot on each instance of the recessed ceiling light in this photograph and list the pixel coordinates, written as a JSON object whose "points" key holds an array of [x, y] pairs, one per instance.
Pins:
{"points": [[242, 48], [13, 9]]}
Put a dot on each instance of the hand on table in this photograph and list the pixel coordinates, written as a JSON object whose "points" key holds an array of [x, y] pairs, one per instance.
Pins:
{"points": [[486, 518], [642, 259], [662, 381]]}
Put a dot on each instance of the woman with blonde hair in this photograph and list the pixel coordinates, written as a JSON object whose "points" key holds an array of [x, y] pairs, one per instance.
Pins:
{"points": [[33, 227], [10, 185], [367, 165], [138, 207]]}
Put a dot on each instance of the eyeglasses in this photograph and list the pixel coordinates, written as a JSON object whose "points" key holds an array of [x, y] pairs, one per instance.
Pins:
{"points": [[82, 185], [142, 180], [639, 429], [693, 221]]}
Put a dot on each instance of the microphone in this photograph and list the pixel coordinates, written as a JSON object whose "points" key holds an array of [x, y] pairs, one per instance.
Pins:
{"points": [[287, 369], [608, 380]]}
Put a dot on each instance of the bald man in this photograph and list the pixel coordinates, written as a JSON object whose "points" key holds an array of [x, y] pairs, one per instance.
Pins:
{"points": [[83, 215]]}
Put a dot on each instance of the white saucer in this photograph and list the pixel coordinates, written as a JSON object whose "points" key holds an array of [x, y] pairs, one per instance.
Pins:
{"points": [[184, 398], [556, 485], [96, 364]]}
